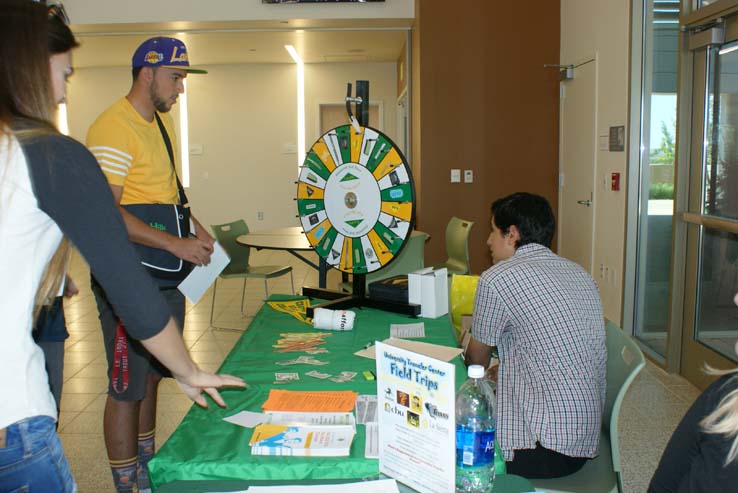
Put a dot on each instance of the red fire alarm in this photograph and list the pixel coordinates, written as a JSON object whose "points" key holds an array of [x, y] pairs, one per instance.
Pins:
{"points": [[615, 182]]}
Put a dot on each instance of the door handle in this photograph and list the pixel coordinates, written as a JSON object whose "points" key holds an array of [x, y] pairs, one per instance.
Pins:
{"points": [[587, 202]]}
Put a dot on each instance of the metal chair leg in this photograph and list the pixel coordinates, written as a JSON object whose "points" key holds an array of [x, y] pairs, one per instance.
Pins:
{"points": [[243, 296], [292, 283], [212, 310], [212, 305]]}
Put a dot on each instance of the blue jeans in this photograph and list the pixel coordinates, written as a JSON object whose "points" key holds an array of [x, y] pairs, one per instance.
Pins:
{"points": [[33, 459]]}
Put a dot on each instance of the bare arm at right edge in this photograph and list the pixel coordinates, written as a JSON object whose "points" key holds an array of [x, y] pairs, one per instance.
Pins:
{"points": [[72, 191], [193, 250]]}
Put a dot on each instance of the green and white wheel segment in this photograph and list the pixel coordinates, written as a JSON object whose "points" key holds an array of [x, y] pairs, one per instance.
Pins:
{"points": [[355, 199]]}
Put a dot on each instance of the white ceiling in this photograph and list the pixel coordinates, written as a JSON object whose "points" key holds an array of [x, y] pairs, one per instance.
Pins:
{"points": [[226, 43]]}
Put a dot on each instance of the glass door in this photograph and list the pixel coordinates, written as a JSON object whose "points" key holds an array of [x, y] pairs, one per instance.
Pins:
{"points": [[710, 323]]}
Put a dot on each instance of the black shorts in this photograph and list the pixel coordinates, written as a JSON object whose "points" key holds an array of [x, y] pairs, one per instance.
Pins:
{"points": [[540, 463], [140, 362]]}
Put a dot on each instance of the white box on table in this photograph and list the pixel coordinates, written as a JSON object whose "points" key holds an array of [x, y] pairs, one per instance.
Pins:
{"points": [[429, 289]]}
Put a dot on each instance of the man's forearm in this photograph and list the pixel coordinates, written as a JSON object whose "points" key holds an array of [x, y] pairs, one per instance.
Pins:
{"points": [[477, 353], [200, 231], [142, 233]]}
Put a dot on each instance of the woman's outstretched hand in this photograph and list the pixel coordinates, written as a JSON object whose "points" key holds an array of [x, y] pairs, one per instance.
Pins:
{"points": [[194, 385]]}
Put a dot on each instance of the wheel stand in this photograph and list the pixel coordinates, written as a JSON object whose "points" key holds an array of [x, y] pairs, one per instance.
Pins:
{"points": [[358, 299]]}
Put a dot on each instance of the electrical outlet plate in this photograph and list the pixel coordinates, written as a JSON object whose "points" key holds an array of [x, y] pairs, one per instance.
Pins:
{"points": [[468, 176], [455, 176]]}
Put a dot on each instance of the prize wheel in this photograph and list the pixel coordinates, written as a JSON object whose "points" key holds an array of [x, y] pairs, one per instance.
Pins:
{"points": [[355, 199]]}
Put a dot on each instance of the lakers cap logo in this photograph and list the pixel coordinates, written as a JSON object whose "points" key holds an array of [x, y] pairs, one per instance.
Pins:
{"points": [[154, 57]]}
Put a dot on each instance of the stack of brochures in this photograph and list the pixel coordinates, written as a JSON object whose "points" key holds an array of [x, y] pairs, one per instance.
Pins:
{"points": [[304, 434]]}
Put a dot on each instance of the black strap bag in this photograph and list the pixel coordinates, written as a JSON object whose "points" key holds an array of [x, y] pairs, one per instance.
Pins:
{"points": [[174, 219]]}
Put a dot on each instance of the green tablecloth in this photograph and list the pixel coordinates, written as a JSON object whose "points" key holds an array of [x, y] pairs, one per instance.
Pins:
{"points": [[506, 483], [204, 447]]}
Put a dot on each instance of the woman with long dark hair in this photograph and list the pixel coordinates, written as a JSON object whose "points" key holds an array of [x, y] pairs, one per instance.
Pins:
{"points": [[53, 194]]}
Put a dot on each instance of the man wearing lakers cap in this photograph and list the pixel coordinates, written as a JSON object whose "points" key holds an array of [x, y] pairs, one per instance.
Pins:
{"points": [[129, 140]]}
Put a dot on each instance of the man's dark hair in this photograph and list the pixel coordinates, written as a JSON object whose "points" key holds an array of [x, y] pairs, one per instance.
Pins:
{"points": [[530, 214], [137, 70]]}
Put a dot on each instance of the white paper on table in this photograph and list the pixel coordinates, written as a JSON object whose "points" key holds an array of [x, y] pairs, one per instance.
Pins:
{"points": [[201, 277], [246, 419], [310, 418], [249, 419], [400, 331], [377, 486]]}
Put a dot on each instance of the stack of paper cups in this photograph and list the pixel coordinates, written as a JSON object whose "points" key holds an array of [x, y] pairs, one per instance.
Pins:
{"points": [[333, 319]]}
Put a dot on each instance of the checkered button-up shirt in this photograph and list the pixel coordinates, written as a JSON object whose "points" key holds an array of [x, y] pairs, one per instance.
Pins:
{"points": [[544, 314]]}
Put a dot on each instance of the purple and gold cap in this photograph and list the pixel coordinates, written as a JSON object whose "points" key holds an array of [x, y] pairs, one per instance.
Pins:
{"points": [[164, 52]]}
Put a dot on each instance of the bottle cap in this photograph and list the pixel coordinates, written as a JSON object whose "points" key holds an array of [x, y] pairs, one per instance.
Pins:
{"points": [[475, 371]]}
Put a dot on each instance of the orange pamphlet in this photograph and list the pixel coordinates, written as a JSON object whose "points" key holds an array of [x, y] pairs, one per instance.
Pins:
{"points": [[319, 402]]}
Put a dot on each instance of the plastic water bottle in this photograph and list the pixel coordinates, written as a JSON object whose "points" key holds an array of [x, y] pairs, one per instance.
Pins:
{"points": [[475, 435]]}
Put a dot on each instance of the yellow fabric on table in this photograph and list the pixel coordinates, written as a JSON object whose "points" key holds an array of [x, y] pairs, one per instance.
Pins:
{"points": [[297, 309], [463, 290]]}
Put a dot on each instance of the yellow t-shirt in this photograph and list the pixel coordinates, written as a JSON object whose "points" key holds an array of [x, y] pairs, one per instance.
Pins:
{"points": [[132, 154]]}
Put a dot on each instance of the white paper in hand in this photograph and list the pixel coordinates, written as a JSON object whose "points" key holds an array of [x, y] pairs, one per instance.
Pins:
{"points": [[201, 277]]}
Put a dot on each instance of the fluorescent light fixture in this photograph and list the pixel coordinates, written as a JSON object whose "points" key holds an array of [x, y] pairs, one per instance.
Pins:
{"points": [[728, 49], [293, 53], [61, 119], [184, 137], [300, 103]]}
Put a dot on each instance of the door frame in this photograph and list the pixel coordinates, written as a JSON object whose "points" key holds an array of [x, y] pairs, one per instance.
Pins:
{"points": [[591, 58]]}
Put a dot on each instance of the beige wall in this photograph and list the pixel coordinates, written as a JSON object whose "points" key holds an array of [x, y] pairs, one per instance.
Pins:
{"points": [[600, 28], [326, 84], [244, 117]]}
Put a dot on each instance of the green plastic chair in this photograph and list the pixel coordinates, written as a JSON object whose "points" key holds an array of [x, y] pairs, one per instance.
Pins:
{"points": [[239, 267], [457, 246], [410, 259], [603, 474]]}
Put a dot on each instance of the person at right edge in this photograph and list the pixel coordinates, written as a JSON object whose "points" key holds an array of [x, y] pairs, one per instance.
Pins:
{"points": [[702, 454], [544, 315], [135, 145]]}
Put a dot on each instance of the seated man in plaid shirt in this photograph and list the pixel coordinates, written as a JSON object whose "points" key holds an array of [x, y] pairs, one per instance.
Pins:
{"points": [[544, 315]]}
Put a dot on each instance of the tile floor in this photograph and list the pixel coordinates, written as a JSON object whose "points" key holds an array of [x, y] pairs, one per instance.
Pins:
{"points": [[651, 411]]}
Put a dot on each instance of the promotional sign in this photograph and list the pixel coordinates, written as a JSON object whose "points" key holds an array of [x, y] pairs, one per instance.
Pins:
{"points": [[416, 419]]}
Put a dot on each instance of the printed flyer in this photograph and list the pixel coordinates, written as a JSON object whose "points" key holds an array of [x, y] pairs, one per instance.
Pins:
{"points": [[416, 419]]}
